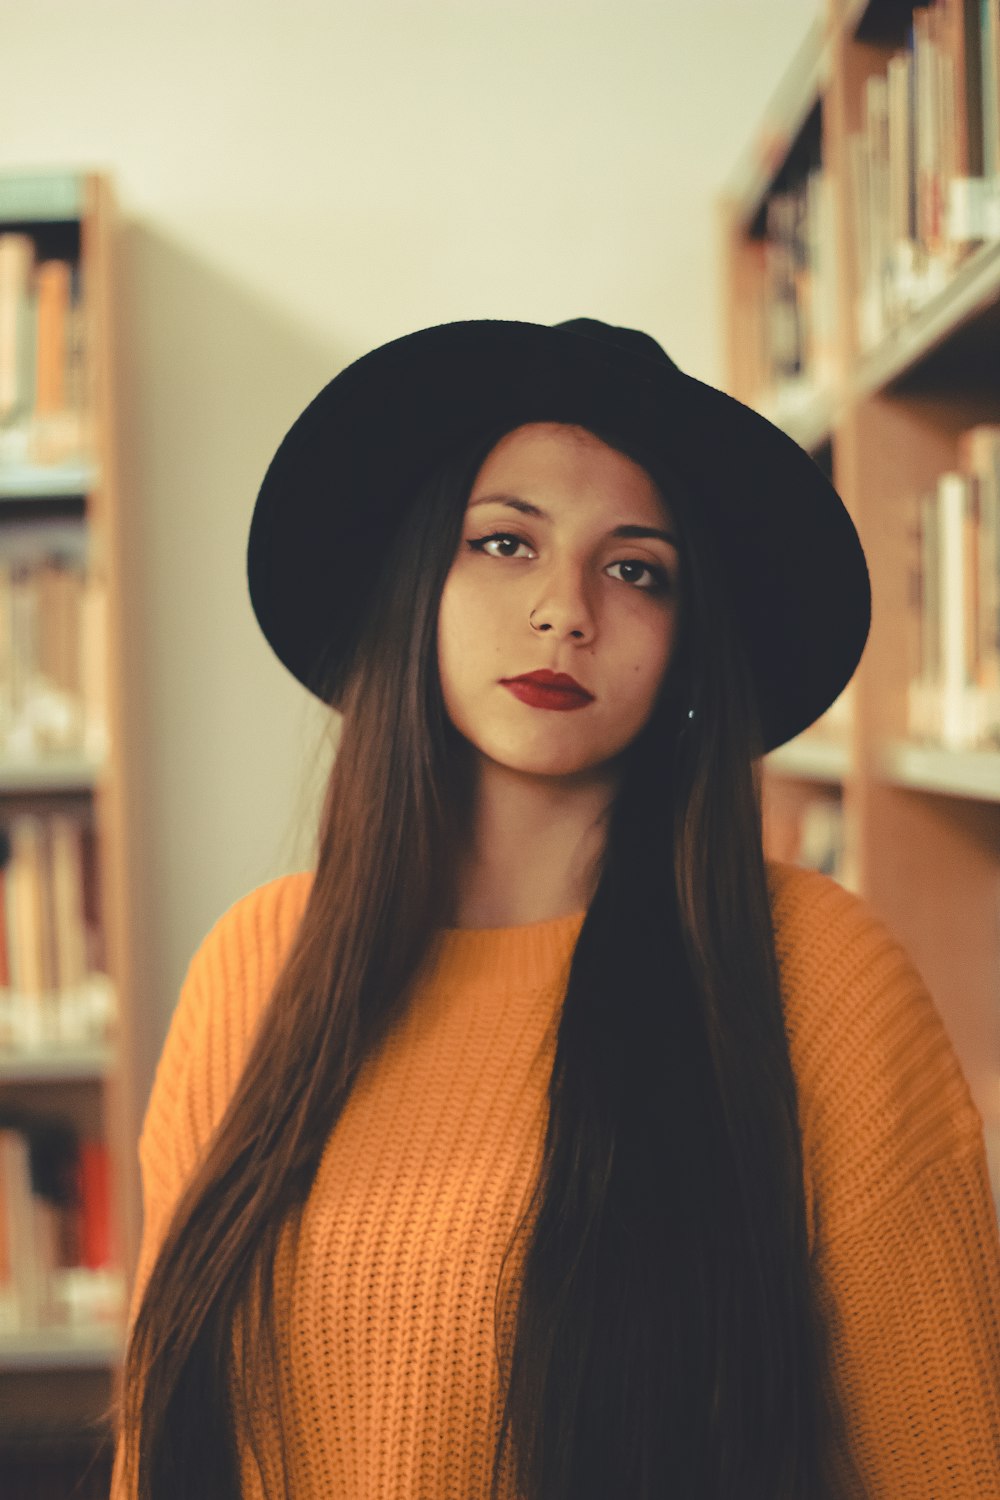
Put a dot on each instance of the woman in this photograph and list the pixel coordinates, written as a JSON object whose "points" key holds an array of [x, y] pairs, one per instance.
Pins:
{"points": [[547, 1140]]}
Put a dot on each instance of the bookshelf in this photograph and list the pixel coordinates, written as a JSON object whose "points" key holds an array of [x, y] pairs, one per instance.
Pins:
{"points": [[69, 1192], [860, 258]]}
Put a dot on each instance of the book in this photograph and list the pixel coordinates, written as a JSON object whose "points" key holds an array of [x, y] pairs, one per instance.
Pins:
{"points": [[952, 563]]}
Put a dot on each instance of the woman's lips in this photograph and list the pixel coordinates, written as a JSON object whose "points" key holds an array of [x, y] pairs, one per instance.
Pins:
{"points": [[547, 697]]}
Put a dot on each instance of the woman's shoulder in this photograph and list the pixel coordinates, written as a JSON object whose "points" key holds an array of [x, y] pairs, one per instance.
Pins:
{"points": [[815, 914], [260, 923], [881, 1089], [239, 957], [791, 881], [846, 977], [822, 929], [222, 997], [232, 972], [824, 935]]}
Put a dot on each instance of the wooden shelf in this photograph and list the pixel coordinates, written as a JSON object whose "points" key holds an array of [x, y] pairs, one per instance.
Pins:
{"points": [[63, 1375], [853, 14], [50, 773], [811, 758], [24, 482], [101, 1345], [808, 415], [42, 197], [965, 312], [917, 826], [956, 773], [785, 115], [95, 1060]]}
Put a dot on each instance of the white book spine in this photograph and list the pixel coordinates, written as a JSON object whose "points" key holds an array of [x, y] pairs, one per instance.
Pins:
{"points": [[951, 511]]}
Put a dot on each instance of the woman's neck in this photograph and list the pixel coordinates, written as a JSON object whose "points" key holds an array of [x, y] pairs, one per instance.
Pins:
{"points": [[533, 853]]}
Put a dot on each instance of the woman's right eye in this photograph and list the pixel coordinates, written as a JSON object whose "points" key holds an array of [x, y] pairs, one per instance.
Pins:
{"points": [[479, 544]]}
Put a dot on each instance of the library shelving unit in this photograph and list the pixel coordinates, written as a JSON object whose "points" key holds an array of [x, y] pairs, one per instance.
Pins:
{"points": [[860, 255], [69, 1195]]}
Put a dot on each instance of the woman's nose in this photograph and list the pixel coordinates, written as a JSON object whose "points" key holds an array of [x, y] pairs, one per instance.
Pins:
{"points": [[563, 606]]}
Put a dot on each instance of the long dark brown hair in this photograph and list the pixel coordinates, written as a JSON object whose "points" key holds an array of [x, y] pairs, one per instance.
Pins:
{"points": [[667, 1333]]}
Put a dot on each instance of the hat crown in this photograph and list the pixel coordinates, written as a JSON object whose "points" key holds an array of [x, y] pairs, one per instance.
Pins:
{"points": [[790, 554], [632, 340]]}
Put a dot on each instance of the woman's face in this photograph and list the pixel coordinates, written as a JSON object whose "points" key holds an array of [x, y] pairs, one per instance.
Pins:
{"points": [[610, 602]]}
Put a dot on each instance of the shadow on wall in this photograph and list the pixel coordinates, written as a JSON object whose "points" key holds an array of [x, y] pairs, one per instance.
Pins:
{"points": [[226, 753]]}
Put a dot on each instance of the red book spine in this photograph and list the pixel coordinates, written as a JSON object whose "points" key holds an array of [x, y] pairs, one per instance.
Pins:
{"points": [[95, 1219]]}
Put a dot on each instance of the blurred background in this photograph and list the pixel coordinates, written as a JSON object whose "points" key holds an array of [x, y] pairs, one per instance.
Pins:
{"points": [[298, 183], [208, 210]]}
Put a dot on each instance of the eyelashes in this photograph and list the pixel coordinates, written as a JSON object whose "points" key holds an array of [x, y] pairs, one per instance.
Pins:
{"points": [[660, 576]]}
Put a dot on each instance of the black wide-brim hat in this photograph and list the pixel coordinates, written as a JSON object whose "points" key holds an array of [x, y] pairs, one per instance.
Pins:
{"points": [[350, 464]]}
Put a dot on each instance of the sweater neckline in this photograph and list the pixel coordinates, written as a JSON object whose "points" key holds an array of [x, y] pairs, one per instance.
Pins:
{"points": [[529, 954], [573, 916]]}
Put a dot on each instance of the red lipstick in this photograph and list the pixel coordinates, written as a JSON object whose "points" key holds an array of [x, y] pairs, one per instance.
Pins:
{"points": [[544, 689]]}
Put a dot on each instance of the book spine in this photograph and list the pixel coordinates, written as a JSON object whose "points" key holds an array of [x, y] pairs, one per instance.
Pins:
{"points": [[17, 259], [979, 457], [95, 1226], [931, 574], [989, 43], [916, 664], [951, 514], [26, 1303]]}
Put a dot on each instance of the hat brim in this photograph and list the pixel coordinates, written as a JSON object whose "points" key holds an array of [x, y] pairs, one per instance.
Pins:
{"points": [[346, 467]]}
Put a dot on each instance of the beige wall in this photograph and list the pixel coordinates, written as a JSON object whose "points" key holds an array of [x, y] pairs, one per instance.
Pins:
{"points": [[301, 183]]}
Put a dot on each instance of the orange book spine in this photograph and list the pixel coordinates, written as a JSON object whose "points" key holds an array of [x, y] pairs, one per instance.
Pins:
{"points": [[4, 955], [6, 1269], [52, 281]]}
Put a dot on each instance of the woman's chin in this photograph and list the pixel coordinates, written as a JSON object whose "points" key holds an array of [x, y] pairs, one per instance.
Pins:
{"points": [[542, 761]]}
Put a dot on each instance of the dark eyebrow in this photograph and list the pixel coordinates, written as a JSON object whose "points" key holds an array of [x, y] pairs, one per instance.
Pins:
{"points": [[525, 506]]}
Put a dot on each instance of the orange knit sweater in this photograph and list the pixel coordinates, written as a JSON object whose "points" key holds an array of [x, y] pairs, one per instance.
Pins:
{"points": [[389, 1383]]}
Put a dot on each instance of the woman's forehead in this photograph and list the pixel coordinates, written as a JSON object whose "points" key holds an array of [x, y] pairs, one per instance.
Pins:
{"points": [[535, 450]]}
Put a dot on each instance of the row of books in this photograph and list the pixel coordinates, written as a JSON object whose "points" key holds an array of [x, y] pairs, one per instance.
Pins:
{"points": [[953, 599], [814, 837], [43, 363], [821, 837], [54, 988], [924, 171], [59, 1265], [800, 286], [923, 183], [52, 669]]}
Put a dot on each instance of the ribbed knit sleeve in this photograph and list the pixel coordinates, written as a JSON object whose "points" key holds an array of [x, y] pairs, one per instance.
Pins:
{"points": [[221, 997], [165, 1141], [907, 1244]]}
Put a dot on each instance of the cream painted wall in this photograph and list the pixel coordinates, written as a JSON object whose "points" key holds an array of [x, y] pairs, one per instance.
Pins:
{"points": [[299, 184]]}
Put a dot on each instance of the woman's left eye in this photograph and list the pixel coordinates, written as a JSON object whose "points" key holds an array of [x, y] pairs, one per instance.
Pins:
{"points": [[659, 575]]}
